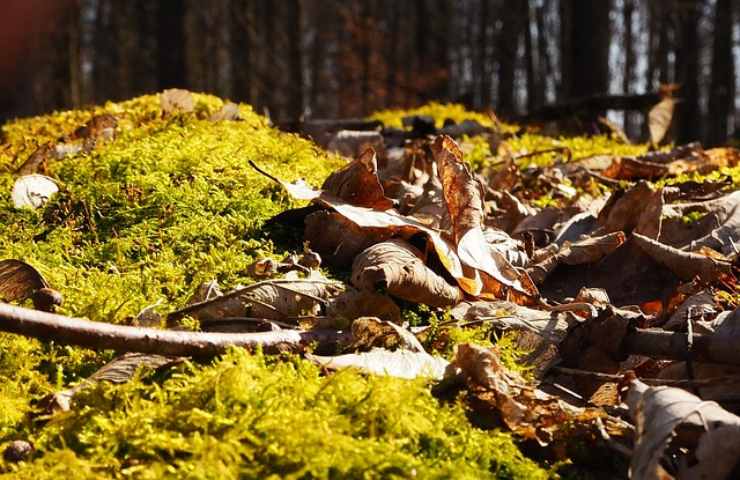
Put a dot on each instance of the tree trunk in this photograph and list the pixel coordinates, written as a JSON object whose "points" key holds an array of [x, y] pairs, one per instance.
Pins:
{"points": [[171, 44], [589, 43], [484, 74], [687, 72], [629, 60], [508, 43], [722, 89]]}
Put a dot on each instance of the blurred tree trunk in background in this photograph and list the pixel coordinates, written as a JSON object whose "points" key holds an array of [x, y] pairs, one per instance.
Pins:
{"points": [[628, 80], [687, 71], [722, 87]]}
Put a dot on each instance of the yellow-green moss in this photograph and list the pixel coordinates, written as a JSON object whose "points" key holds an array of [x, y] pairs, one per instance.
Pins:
{"points": [[170, 203], [438, 111]]}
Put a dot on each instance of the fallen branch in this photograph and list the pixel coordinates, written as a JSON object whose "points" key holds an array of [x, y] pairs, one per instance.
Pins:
{"points": [[657, 343], [98, 335], [590, 106]]}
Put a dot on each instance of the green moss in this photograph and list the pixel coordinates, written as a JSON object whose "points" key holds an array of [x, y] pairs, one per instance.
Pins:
{"points": [[171, 203], [439, 111]]}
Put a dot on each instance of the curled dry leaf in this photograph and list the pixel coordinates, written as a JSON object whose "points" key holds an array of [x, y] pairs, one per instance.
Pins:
{"points": [[724, 221], [638, 209], [176, 100], [686, 265], [33, 191], [396, 266], [378, 361], [704, 436], [464, 199], [358, 183]]}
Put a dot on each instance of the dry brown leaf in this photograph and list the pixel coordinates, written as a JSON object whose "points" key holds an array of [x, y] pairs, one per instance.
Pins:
{"points": [[119, 370], [281, 300], [686, 265], [523, 409], [464, 199], [659, 119], [339, 240], [19, 280], [176, 100], [358, 183], [588, 250], [399, 363], [666, 416], [370, 332], [638, 209], [396, 267], [354, 304]]}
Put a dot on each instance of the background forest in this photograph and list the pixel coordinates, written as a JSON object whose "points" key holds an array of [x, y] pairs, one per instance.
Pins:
{"points": [[332, 58]]}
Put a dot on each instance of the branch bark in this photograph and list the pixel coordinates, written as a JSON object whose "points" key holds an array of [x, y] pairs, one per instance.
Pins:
{"points": [[98, 335]]}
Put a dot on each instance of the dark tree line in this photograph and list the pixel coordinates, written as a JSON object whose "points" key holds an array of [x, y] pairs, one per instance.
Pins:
{"points": [[335, 58]]}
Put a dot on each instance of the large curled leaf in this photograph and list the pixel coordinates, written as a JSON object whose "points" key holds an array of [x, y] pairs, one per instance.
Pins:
{"points": [[686, 265], [396, 267], [464, 199], [708, 435], [638, 209]]}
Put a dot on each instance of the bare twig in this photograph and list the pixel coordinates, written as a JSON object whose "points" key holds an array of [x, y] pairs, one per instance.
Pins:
{"points": [[98, 335]]}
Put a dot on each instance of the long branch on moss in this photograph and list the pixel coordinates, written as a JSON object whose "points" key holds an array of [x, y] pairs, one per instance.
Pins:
{"points": [[122, 338]]}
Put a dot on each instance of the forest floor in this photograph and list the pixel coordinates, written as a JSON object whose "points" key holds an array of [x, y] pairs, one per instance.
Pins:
{"points": [[506, 270]]}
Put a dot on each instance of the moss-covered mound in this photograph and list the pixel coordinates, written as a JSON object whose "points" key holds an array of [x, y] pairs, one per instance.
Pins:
{"points": [[169, 204]]}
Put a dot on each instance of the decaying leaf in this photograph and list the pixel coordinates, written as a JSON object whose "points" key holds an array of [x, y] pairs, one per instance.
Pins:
{"points": [[353, 304], [33, 191], [659, 119], [371, 332], [395, 266], [229, 112], [176, 100], [704, 437], [119, 370], [358, 183], [686, 265], [378, 361], [504, 394], [281, 300]]}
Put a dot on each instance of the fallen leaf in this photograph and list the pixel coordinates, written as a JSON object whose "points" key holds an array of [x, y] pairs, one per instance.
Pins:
{"points": [[228, 112], [353, 304], [378, 361], [33, 191], [370, 332], [660, 118], [358, 183], [708, 436], [686, 265], [176, 100], [19, 280], [638, 209], [396, 267]]}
